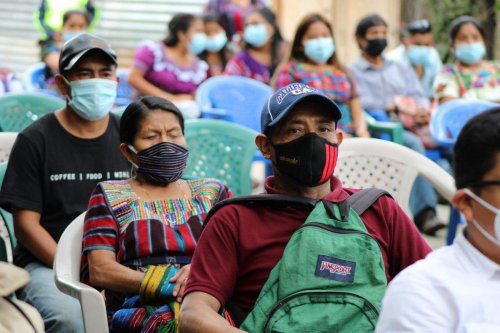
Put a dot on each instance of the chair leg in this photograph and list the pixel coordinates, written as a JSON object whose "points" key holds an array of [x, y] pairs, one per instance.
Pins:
{"points": [[455, 219]]}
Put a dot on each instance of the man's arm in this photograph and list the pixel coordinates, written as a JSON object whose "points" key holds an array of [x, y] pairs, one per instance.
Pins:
{"points": [[30, 233], [199, 314]]}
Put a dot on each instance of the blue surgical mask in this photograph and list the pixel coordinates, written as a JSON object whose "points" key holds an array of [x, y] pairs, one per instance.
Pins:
{"points": [[92, 99], [419, 55], [255, 34], [69, 35], [198, 43], [217, 42], [319, 50], [470, 53]]}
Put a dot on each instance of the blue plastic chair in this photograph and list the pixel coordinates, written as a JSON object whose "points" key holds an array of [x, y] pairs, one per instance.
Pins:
{"points": [[446, 123], [236, 99], [449, 118], [34, 80], [124, 95]]}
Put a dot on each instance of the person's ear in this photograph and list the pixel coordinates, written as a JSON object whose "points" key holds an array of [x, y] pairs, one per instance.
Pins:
{"points": [[264, 145], [340, 136], [129, 156], [182, 36], [361, 42], [464, 204], [62, 86]]}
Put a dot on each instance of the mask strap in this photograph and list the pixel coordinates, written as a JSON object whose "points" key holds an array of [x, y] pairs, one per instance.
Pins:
{"points": [[483, 203], [132, 149], [486, 233]]}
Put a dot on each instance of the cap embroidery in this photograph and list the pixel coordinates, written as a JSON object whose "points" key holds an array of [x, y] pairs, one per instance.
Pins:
{"points": [[294, 89]]}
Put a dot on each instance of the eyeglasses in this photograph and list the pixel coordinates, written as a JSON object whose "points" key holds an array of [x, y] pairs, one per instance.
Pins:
{"points": [[483, 183], [419, 26]]}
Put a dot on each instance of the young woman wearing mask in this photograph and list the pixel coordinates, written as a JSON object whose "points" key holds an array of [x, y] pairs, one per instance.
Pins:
{"points": [[264, 47], [140, 233], [470, 76], [215, 54], [313, 61], [170, 68]]}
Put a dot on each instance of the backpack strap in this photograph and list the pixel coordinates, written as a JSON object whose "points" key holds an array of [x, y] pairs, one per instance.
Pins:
{"points": [[276, 200], [359, 201]]}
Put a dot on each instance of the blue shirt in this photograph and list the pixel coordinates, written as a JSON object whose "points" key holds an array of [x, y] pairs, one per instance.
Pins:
{"points": [[377, 87]]}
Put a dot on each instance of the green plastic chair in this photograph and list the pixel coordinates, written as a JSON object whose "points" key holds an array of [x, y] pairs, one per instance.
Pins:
{"points": [[18, 110], [6, 245], [394, 129], [222, 150]]}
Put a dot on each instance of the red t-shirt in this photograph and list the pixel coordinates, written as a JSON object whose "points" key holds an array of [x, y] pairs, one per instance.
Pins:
{"points": [[241, 244]]}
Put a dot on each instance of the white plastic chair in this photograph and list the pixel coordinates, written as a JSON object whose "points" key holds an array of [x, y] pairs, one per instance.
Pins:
{"points": [[67, 278], [365, 163], [6, 142]]}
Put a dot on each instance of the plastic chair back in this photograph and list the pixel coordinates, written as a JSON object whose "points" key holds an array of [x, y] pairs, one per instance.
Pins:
{"points": [[19, 110], [7, 140], [125, 92], [67, 278], [7, 238], [365, 163], [449, 118], [222, 150], [236, 99]]}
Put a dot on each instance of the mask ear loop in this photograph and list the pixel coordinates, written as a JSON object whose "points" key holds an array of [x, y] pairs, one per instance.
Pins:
{"points": [[134, 166], [68, 99]]}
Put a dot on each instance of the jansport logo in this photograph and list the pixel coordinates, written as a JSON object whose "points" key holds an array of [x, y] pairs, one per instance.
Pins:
{"points": [[335, 269]]}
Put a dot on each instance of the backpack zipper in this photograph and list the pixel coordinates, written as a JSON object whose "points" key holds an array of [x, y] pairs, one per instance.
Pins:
{"points": [[302, 293], [335, 229]]}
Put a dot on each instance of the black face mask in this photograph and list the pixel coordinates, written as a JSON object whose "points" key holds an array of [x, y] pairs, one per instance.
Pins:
{"points": [[308, 160], [376, 46]]}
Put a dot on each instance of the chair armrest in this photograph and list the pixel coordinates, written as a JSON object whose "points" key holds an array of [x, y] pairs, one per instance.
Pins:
{"points": [[94, 316]]}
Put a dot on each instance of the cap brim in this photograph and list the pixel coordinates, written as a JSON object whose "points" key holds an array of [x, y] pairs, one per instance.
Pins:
{"points": [[77, 57], [330, 104]]}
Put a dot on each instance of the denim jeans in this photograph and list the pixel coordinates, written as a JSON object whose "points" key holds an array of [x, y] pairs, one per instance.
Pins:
{"points": [[422, 194], [61, 313]]}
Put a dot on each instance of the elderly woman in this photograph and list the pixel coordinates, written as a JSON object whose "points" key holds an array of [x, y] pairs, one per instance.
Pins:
{"points": [[140, 234]]}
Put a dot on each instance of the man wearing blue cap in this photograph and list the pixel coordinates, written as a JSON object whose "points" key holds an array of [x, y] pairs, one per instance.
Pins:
{"points": [[54, 166], [242, 243]]}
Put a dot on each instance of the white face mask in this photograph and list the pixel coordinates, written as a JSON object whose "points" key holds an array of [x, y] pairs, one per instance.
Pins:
{"points": [[496, 238]]}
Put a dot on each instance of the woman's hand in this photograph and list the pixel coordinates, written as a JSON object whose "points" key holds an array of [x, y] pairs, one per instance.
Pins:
{"points": [[180, 279]]}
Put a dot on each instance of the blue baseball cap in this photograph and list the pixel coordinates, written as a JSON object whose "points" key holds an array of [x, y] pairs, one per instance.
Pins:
{"points": [[284, 100]]}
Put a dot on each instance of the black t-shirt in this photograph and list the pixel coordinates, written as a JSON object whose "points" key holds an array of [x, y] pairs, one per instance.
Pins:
{"points": [[52, 172]]}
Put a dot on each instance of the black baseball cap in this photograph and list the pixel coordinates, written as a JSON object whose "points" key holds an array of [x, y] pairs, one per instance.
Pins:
{"points": [[283, 101], [75, 48]]}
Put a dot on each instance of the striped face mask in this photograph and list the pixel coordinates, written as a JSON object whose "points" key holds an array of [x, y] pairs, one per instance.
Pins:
{"points": [[162, 163]]}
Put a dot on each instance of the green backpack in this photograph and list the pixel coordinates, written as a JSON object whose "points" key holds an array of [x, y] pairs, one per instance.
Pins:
{"points": [[331, 277]]}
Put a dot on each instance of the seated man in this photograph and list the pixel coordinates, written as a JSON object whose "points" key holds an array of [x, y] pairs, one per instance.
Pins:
{"points": [[241, 244], [387, 89], [54, 166], [419, 53], [457, 288]]}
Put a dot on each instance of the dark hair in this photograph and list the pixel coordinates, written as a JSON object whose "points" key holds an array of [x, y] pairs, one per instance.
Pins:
{"points": [[477, 148], [367, 22], [419, 27], [138, 110], [276, 39], [210, 17], [297, 51], [457, 23], [178, 23], [72, 12]]}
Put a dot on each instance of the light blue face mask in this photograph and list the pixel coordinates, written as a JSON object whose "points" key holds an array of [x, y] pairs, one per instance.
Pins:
{"points": [[70, 34], [255, 34], [217, 42], [419, 55], [198, 43], [319, 50], [92, 99], [470, 53]]}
